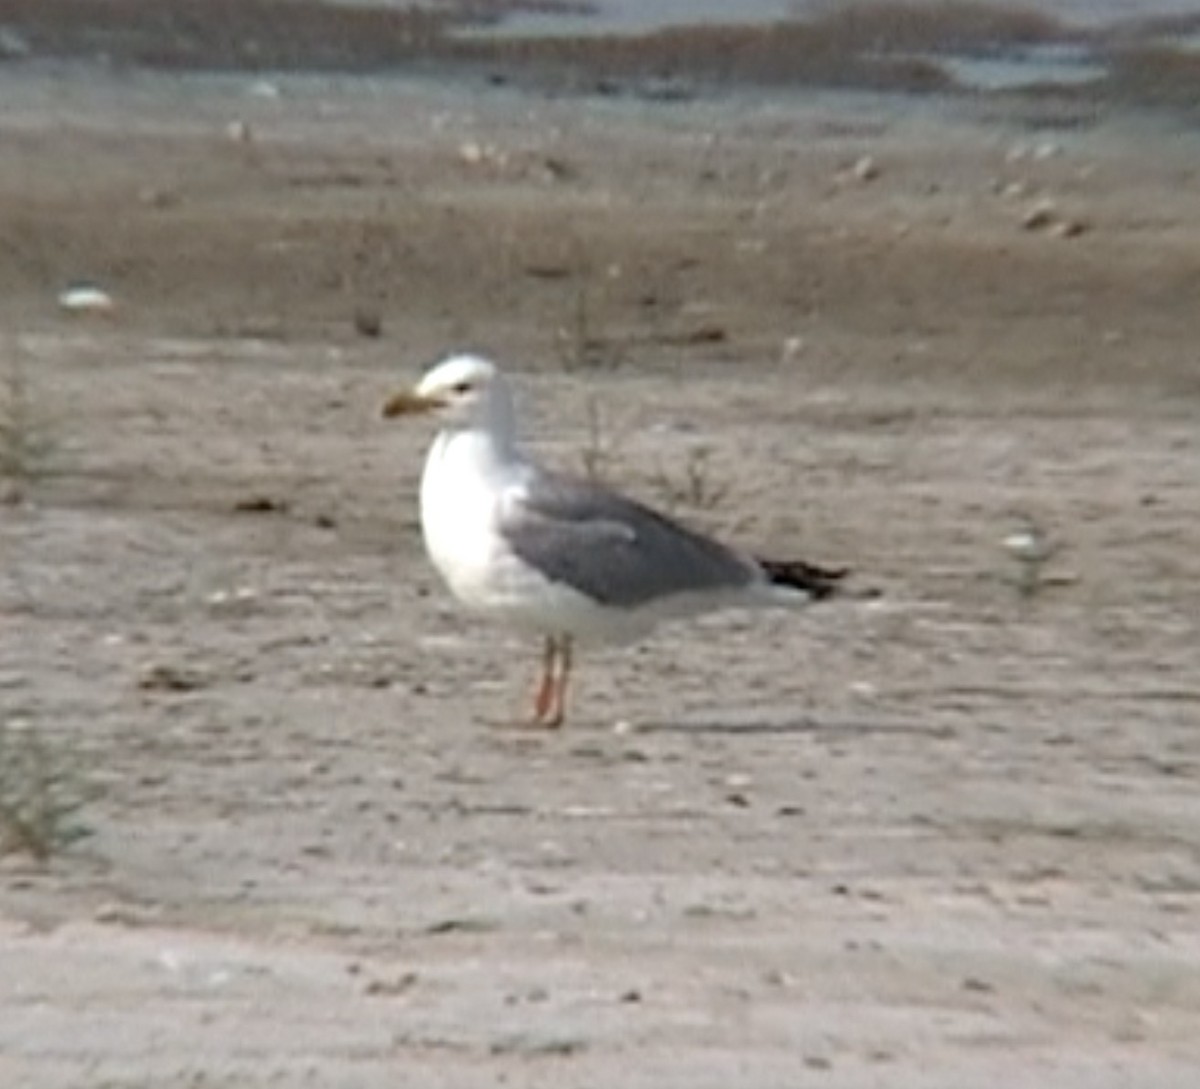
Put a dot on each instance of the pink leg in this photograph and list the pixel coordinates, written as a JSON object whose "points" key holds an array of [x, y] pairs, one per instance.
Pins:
{"points": [[560, 688], [544, 700]]}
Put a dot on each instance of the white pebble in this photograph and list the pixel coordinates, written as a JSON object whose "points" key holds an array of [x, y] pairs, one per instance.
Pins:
{"points": [[86, 299]]}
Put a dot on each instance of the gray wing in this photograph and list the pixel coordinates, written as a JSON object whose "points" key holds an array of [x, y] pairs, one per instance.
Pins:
{"points": [[613, 549]]}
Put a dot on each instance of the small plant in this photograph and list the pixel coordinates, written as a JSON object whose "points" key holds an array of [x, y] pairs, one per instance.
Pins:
{"points": [[695, 488], [1031, 548], [597, 453], [25, 445], [580, 345], [41, 794]]}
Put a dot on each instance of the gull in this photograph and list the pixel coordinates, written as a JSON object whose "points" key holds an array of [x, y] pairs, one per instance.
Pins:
{"points": [[558, 557]]}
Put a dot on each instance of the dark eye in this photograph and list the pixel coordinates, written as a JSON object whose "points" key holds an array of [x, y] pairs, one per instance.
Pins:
{"points": [[461, 387]]}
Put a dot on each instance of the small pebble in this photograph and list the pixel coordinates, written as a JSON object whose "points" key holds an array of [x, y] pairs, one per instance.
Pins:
{"points": [[865, 169]]}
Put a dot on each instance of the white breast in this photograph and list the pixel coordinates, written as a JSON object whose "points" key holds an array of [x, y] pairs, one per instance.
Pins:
{"points": [[457, 515], [462, 487]]}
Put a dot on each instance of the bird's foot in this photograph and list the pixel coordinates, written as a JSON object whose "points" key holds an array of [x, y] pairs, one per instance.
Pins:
{"points": [[522, 727]]}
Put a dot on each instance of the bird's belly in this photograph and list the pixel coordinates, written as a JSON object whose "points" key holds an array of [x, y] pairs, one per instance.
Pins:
{"points": [[461, 540], [461, 550], [487, 577]]}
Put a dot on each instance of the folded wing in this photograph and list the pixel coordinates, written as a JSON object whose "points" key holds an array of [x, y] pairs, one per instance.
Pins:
{"points": [[613, 549]]}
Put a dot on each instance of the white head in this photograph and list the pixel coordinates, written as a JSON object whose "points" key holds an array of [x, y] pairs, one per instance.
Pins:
{"points": [[464, 392]]}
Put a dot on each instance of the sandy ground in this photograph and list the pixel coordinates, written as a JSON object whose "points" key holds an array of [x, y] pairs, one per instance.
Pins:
{"points": [[946, 838]]}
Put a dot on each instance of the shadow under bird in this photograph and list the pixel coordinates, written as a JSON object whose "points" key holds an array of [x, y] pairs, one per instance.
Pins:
{"points": [[558, 557]]}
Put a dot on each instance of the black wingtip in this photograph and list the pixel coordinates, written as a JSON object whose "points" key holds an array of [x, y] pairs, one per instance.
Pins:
{"points": [[818, 582]]}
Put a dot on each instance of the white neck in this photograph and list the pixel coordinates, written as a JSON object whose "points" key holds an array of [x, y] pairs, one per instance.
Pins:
{"points": [[466, 472], [486, 450]]}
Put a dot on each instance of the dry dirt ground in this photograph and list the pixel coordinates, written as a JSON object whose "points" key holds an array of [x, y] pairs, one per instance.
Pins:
{"points": [[949, 837]]}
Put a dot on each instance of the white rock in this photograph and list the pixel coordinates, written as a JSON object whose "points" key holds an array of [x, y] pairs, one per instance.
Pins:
{"points": [[86, 299], [792, 347], [13, 44], [1029, 545], [471, 153], [1040, 216], [264, 88], [865, 169]]}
